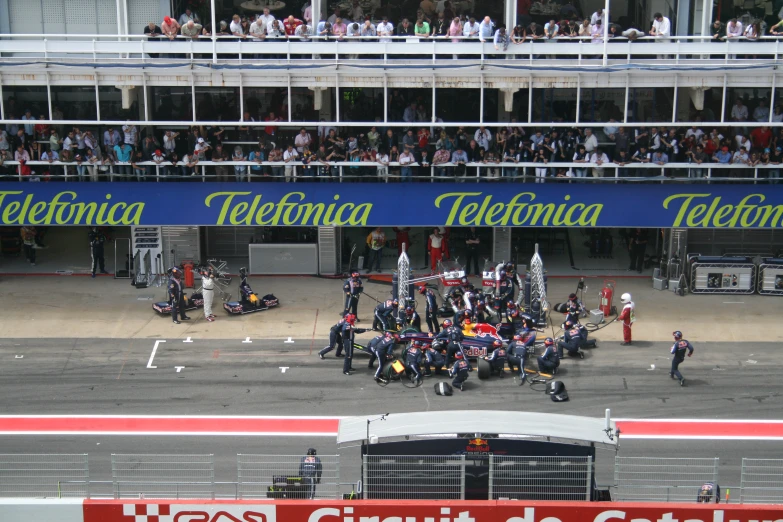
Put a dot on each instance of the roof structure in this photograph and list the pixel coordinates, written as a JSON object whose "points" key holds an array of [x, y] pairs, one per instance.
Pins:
{"points": [[505, 424]]}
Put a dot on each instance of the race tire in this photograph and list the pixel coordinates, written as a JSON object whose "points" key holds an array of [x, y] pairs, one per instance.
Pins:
{"points": [[484, 369], [388, 372], [410, 329], [408, 382]]}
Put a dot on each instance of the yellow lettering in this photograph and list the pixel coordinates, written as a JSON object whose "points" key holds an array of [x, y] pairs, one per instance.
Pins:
{"points": [[683, 207], [338, 217], [263, 210], [494, 210], [569, 219], [360, 214], [455, 205], [132, 215], [226, 204], [721, 213], [312, 211], [236, 212], [34, 211], [81, 209], [465, 215], [9, 211], [539, 209], [697, 211], [111, 219], [594, 211]]}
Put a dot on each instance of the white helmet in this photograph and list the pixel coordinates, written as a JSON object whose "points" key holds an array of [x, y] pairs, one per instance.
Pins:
{"points": [[625, 298]]}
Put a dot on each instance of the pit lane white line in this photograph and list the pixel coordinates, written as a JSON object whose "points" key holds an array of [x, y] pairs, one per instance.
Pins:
{"points": [[152, 355]]}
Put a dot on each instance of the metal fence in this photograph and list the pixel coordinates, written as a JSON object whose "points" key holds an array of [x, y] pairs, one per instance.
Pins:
{"points": [[662, 480], [163, 476], [44, 475], [540, 478], [287, 476], [414, 477], [762, 481]]}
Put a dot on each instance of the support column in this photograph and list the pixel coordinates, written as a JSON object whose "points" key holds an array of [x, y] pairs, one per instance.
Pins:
{"points": [[507, 98], [510, 15], [501, 247], [215, 29], [318, 97]]}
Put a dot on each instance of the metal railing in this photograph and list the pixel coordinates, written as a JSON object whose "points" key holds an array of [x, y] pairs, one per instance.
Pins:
{"points": [[762, 481], [339, 171], [677, 50], [163, 476], [40, 475], [540, 478], [418, 477], [287, 476], [662, 480]]}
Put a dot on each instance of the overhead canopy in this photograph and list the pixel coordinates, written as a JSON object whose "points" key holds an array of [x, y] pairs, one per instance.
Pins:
{"points": [[503, 423]]}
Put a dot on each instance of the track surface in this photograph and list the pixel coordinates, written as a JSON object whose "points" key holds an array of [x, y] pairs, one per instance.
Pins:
{"points": [[235, 378]]}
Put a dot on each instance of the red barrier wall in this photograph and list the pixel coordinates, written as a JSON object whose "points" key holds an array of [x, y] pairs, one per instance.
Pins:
{"points": [[419, 511]]}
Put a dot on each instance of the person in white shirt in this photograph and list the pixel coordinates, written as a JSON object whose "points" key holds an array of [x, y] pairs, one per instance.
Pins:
{"points": [[406, 158], [483, 137], [761, 113], [599, 158], [188, 16], [258, 29], [734, 28], [739, 112], [471, 29], [236, 27], [591, 142], [275, 29], [661, 30], [383, 164], [696, 132], [290, 155], [130, 133], [265, 19], [303, 32], [385, 30], [170, 141], [598, 15], [302, 140]]}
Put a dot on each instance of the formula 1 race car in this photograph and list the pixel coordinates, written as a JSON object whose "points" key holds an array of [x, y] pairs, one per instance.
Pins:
{"points": [[249, 301], [194, 302]]}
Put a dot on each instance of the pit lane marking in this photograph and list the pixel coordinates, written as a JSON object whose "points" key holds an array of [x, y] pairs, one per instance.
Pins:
{"points": [[19, 357], [247, 340], [283, 368], [179, 368], [188, 340], [152, 355]]}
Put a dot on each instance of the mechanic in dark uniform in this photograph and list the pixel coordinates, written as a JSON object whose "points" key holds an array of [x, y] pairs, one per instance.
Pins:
{"points": [[335, 340], [472, 242], [679, 348], [480, 312], [460, 372], [511, 307], [548, 361], [517, 355], [176, 297], [462, 317], [455, 295], [382, 348], [573, 338], [430, 309], [348, 333], [453, 335], [709, 493], [637, 246], [352, 288], [97, 239], [435, 359], [411, 318], [498, 358], [310, 469], [383, 314], [413, 360], [505, 290], [574, 309]]}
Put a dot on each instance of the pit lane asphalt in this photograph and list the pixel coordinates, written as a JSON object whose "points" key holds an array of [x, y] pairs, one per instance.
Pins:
{"points": [[229, 377]]}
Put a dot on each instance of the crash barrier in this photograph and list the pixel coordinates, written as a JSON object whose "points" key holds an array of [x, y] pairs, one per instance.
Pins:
{"points": [[450, 477], [142, 510], [762, 481], [722, 275], [770, 277], [540, 478], [425, 477], [44, 475], [163, 476], [282, 476], [662, 480]]}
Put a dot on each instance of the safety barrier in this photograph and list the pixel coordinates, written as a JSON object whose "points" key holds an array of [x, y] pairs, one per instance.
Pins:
{"points": [[284, 476], [662, 480], [424, 477], [762, 481], [163, 476], [44, 475], [540, 478], [436, 478]]}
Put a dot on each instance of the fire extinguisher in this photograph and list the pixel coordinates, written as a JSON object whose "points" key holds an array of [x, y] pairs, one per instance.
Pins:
{"points": [[606, 297]]}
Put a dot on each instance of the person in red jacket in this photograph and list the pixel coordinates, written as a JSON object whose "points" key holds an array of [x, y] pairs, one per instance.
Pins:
{"points": [[435, 247], [627, 317], [290, 24], [403, 236]]}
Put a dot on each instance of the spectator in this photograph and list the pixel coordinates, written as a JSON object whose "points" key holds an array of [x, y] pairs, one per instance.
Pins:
{"points": [[440, 27], [510, 156], [302, 140], [111, 137], [188, 16], [597, 16], [385, 30], [368, 30], [122, 154], [471, 29], [597, 32], [258, 28], [169, 28], [734, 29], [304, 32], [490, 158], [761, 137], [275, 29], [136, 158], [422, 29], [501, 39], [441, 157], [191, 30], [289, 156], [29, 128], [55, 142], [290, 25], [265, 18], [236, 27], [761, 112], [591, 142], [718, 31], [775, 158], [551, 29], [599, 158], [405, 28], [334, 16], [580, 156], [406, 159], [483, 137], [722, 156], [339, 29], [376, 240], [486, 29], [276, 155], [130, 134], [383, 165], [541, 160], [158, 157], [240, 171], [189, 162], [585, 29]]}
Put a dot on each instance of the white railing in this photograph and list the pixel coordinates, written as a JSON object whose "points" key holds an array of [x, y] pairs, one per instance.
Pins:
{"points": [[685, 50]]}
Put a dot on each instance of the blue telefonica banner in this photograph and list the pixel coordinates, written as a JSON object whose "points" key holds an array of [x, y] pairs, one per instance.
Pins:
{"points": [[400, 204]]}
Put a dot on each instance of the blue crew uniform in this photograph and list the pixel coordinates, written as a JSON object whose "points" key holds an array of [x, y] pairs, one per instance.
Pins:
{"points": [[412, 319], [177, 300], [679, 348], [435, 359], [460, 373], [548, 361], [310, 469], [335, 340], [352, 288], [97, 239], [453, 335], [383, 314], [431, 311], [573, 339], [413, 361], [517, 357], [497, 360], [348, 333], [382, 350]]}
